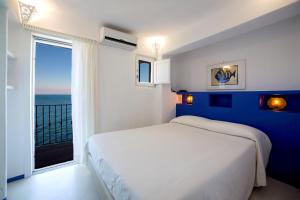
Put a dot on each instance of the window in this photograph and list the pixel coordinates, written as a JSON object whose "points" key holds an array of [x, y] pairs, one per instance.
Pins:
{"points": [[144, 71]]}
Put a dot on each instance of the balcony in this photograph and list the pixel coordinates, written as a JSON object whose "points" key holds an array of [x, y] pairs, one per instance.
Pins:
{"points": [[53, 134]]}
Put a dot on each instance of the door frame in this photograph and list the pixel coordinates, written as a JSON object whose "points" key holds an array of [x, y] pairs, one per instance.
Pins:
{"points": [[45, 39]]}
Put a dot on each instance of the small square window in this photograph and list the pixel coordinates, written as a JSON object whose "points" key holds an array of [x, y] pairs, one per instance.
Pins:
{"points": [[144, 71]]}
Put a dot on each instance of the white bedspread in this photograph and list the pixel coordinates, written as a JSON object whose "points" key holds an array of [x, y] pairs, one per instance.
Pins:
{"points": [[178, 160]]}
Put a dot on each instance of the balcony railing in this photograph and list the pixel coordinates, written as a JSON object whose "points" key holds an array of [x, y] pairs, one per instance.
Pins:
{"points": [[53, 134], [53, 124]]}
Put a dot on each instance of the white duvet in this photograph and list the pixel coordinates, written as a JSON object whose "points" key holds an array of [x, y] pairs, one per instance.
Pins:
{"points": [[188, 158]]}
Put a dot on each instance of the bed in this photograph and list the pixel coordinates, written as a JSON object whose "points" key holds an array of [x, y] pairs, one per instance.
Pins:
{"points": [[188, 158]]}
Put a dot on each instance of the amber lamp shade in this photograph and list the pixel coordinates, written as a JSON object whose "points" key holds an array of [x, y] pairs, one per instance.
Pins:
{"points": [[277, 103], [189, 99], [179, 99]]}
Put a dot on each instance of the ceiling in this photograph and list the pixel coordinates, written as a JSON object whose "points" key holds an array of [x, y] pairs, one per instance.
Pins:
{"points": [[141, 17], [144, 18]]}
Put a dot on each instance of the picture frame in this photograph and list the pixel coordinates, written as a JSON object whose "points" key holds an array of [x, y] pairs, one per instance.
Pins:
{"points": [[144, 69], [227, 76]]}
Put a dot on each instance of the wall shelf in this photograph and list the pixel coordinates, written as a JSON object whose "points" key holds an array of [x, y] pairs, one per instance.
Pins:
{"points": [[220, 100], [292, 101], [10, 87], [11, 56]]}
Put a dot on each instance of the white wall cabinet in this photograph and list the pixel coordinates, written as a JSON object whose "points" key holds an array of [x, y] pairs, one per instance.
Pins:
{"points": [[162, 71]]}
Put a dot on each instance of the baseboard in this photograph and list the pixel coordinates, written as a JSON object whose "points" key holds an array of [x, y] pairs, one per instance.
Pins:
{"points": [[16, 178]]}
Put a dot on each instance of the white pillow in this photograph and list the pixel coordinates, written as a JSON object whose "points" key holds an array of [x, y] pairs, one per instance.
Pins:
{"points": [[195, 121]]}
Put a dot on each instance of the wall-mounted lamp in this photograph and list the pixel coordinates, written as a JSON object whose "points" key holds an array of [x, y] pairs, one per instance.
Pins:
{"points": [[276, 103], [189, 99], [26, 12], [179, 99]]}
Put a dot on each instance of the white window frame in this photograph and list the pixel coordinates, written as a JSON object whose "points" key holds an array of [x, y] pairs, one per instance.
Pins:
{"points": [[137, 71]]}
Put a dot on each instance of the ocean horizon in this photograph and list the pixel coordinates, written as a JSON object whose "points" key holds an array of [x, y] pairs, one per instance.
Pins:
{"points": [[52, 99]]}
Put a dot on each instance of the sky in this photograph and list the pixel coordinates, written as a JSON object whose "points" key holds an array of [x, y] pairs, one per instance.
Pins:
{"points": [[145, 72], [52, 69]]}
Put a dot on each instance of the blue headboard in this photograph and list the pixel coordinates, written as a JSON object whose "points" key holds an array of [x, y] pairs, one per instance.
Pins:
{"points": [[283, 128]]}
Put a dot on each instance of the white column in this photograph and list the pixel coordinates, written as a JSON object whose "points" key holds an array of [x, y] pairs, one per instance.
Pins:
{"points": [[3, 68]]}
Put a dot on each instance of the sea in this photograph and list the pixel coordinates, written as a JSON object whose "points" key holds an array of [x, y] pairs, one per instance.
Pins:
{"points": [[53, 119], [52, 99]]}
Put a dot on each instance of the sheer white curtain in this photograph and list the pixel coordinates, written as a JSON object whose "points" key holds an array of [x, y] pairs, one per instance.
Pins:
{"points": [[84, 63]]}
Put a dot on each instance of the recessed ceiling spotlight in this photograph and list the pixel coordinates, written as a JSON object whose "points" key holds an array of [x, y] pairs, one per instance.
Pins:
{"points": [[26, 12]]}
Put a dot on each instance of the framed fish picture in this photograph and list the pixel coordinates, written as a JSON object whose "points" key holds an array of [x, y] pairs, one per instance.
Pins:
{"points": [[227, 76]]}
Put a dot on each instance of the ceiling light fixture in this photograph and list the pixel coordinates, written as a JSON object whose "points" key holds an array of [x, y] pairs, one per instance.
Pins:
{"points": [[156, 44], [26, 12]]}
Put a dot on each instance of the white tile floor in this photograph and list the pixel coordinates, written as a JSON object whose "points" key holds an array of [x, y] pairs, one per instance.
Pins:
{"points": [[75, 183], [67, 183]]}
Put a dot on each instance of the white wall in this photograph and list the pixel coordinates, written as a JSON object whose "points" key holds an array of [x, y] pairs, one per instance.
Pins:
{"points": [[18, 101], [272, 54], [3, 66], [120, 103]]}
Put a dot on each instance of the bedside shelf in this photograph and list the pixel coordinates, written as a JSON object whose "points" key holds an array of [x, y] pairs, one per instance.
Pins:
{"points": [[292, 101]]}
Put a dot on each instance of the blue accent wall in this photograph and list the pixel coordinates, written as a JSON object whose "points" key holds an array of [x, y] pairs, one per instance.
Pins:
{"points": [[283, 127]]}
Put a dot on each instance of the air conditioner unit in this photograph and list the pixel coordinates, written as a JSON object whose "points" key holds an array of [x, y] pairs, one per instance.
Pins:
{"points": [[114, 38]]}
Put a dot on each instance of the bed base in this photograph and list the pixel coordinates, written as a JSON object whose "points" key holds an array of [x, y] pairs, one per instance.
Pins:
{"points": [[102, 189]]}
